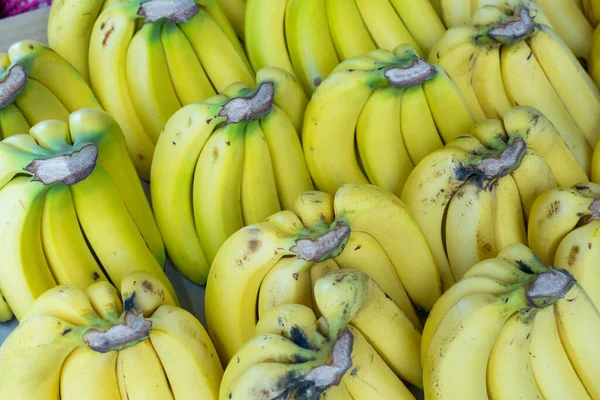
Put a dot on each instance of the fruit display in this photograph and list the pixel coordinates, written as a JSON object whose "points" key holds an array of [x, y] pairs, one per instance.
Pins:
{"points": [[397, 109], [72, 210], [357, 349], [502, 60], [529, 331], [228, 162], [278, 261], [563, 231], [93, 343], [143, 76], [37, 84], [310, 38]]}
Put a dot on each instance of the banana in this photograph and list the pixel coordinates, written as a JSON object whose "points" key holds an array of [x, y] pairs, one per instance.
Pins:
{"points": [[105, 300], [187, 75], [523, 77], [400, 237], [144, 294], [217, 188], [456, 12], [309, 41], [107, 226], [65, 248], [258, 194], [235, 10], [265, 36], [289, 167], [171, 188], [70, 26], [181, 344], [31, 368], [52, 135], [488, 84], [108, 78], [138, 365], [503, 271], [470, 327], [578, 322], [452, 38], [509, 223], [89, 374], [12, 122], [592, 11], [315, 209], [55, 73], [24, 273], [509, 371], [148, 79], [348, 31], [385, 26], [6, 313], [553, 372], [379, 137], [421, 20], [38, 103], [221, 61]]}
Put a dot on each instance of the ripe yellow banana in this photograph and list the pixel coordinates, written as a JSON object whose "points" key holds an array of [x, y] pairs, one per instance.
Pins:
{"points": [[105, 300], [348, 31], [38, 103], [6, 313], [89, 374], [12, 122], [235, 10], [488, 84], [421, 20], [143, 294]]}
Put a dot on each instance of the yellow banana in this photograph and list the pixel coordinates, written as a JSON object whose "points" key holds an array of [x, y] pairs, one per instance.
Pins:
{"points": [[105, 300], [315, 209], [235, 10], [89, 374], [509, 223], [421, 20], [6, 313], [144, 294], [348, 31], [38, 103], [12, 122], [488, 84]]}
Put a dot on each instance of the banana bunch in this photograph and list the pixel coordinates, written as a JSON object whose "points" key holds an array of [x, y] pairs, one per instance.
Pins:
{"points": [[278, 261], [93, 343], [311, 37], [357, 349], [566, 17], [228, 162], [512, 328], [37, 84], [396, 108], [510, 57], [473, 197], [72, 210], [564, 228], [147, 59]]}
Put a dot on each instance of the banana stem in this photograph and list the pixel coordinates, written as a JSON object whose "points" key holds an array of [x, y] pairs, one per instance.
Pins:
{"points": [[248, 108], [14, 80], [133, 330], [509, 160], [414, 74], [168, 10], [517, 29], [549, 287], [328, 245], [594, 207], [325, 376], [68, 168]]}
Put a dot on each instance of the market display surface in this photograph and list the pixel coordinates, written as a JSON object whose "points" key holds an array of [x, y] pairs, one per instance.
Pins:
{"points": [[302, 200]]}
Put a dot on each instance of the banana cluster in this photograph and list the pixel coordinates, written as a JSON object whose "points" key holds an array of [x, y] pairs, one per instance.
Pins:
{"points": [[73, 210], [512, 328], [563, 231], [473, 197], [310, 38], [360, 347], [397, 109], [228, 162], [147, 59], [565, 17], [93, 343], [278, 261], [510, 56], [37, 84]]}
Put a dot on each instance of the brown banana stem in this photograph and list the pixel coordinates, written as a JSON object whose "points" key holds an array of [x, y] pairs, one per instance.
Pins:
{"points": [[67, 168], [414, 74], [330, 244], [515, 30], [509, 160], [168, 10], [134, 329], [250, 107], [14, 81], [325, 376], [549, 287]]}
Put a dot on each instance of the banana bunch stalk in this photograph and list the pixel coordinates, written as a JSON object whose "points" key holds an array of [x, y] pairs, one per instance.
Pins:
{"points": [[37, 84], [358, 349], [72, 210], [180, 55], [228, 162], [311, 37], [396, 108], [278, 261], [566, 17], [564, 228], [512, 57], [512, 328], [473, 197], [93, 343]]}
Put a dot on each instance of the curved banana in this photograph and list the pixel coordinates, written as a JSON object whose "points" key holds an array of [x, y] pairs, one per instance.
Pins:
{"points": [[89, 374], [421, 20], [105, 300], [348, 31], [12, 122], [235, 10], [38, 103], [488, 84]]}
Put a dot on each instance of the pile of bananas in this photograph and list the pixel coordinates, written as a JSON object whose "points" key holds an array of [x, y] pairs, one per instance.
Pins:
{"points": [[386, 199]]}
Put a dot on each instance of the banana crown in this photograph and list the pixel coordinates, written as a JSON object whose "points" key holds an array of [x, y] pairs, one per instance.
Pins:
{"points": [[104, 324]]}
